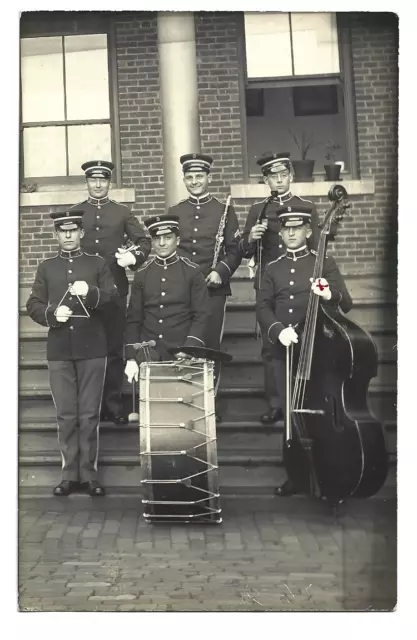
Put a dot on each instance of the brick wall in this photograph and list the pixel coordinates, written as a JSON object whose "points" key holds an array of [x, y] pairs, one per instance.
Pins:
{"points": [[140, 110], [218, 91], [367, 239]]}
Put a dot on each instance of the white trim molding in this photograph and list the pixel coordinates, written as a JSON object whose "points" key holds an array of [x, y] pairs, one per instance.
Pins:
{"points": [[304, 189], [69, 197]]}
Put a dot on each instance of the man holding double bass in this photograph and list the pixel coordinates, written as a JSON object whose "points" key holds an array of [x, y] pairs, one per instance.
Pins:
{"points": [[285, 290]]}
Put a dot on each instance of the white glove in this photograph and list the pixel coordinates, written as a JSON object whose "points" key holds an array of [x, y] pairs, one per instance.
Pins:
{"points": [[321, 288], [125, 258], [63, 313], [132, 370], [287, 336], [79, 288]]}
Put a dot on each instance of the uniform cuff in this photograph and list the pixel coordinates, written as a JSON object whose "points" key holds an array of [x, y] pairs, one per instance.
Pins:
{"points": [[274, 331], [50, 317], [92, 298], [224, 271]]}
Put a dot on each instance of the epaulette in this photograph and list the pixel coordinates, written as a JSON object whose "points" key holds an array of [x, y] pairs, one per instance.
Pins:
{"points": [[119, 203], [189, 262], [92, 255], [51, 258], [145, 265], [279, 258], [78, 203], [260, 201]]}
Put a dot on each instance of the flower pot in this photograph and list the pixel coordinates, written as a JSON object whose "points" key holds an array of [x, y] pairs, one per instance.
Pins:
{"points": [[332, 172], [303, 170]]}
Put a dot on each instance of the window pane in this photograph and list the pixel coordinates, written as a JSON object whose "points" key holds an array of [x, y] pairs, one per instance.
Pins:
{"points": [[315, 43], [88, 142], [268, 45], [87, 77], [44, 152], [271, 131], [42, 79]]}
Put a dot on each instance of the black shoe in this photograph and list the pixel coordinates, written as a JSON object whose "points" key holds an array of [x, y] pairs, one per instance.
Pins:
{"points": [[285, 490], [65, 488], [272, 415], [94, 488]]}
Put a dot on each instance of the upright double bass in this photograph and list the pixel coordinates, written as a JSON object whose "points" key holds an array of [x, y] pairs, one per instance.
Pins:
{"points": [[335, 448]]}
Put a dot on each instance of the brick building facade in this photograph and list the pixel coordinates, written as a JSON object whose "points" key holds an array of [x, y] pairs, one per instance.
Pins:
{"points": [[367, 239]]}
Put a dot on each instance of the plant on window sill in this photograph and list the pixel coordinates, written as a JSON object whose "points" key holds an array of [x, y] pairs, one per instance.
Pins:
{"points": [[303, 169], [334, 167]]}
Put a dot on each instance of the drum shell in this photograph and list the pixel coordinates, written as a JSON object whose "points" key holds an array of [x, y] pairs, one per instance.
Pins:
{"points": [[178, 442]]}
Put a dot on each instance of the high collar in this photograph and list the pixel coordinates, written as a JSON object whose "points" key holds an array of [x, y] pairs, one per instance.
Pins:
{"points": [[165, 262], [98, 201], [202, 200], [284, 197], [76, 253], [302, 252]]}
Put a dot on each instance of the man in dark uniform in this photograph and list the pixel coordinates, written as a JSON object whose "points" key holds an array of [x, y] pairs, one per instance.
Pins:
{"points": [[106, 223], [277, 174], [67, 295], [209, 233], [169, 300], [285, 290]]}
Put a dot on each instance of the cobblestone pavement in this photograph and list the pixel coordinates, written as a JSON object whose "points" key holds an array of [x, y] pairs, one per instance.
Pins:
{"points": [[267, 555]]}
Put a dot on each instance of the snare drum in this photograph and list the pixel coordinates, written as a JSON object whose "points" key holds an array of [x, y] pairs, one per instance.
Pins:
{"points": [[178, 445]]}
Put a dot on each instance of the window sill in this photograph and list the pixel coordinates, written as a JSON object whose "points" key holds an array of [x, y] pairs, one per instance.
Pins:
{"points": [[303, 189], [69, 197]]}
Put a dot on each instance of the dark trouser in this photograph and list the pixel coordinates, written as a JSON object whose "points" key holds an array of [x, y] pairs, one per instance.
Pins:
{"points": [[214, 330], [77, 388], [113, 316]]}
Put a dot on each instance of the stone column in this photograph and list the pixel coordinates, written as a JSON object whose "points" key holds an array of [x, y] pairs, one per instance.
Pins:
{"points": [[179, 97]]}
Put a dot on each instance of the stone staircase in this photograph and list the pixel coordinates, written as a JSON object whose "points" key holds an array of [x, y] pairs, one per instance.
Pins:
{"points": [[249, 453]]}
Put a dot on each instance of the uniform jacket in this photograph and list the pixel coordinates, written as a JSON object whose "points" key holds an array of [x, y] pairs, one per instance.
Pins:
{"points": [[105, 224], [285, 290], [168, 304], [78, 338], [199, 223], [272, 245]]}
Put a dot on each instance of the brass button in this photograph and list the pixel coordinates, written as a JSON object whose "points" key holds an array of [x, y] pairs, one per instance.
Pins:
{"points": [[97, 241], [69, 271], [163, 279], [292, 270], [291, 282], [160, 336], [162, 293]]}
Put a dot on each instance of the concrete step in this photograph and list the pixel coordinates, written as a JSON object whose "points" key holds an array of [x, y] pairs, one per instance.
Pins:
{"points": [[232, 438], [242, 344], [241, 317], [36, 481], [245, 374], [374, 287], [235, 403]]}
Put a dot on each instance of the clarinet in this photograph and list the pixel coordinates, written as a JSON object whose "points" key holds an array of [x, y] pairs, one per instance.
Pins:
{"points": [[219, 236], [262, 216]]}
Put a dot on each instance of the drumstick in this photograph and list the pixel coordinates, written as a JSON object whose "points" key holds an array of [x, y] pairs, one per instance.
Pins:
{"points": [[134, 416]]}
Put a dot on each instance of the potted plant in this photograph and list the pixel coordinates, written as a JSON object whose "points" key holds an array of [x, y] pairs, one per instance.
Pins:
{"points": [[303, 169], [333, 168]]}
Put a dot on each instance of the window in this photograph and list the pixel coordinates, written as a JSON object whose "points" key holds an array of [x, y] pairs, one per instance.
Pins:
{"points": [[66, 104], [296, 79]]}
